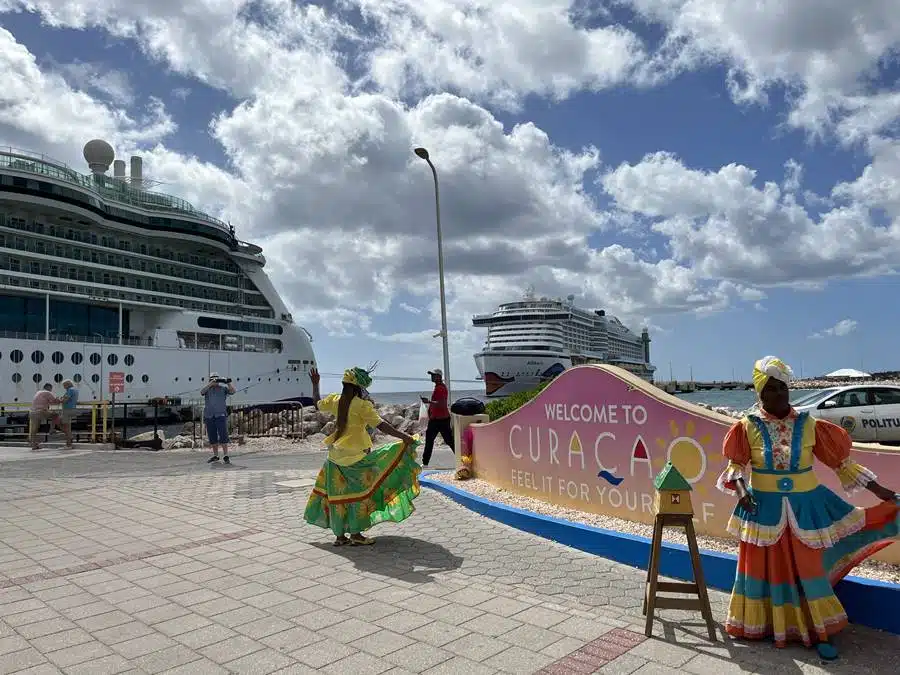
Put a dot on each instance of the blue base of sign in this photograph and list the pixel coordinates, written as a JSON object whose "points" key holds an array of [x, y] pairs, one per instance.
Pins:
{"points": [[864, 599]]}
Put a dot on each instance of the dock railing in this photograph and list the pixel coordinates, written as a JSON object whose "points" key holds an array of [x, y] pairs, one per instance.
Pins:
{"points": [[89, 425], [284, 419]]}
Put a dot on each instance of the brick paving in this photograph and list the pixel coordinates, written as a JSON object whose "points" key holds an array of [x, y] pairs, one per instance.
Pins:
{"points": [[136, 562]]}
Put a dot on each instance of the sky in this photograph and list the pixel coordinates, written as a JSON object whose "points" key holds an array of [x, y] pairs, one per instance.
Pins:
{"points": [[726, 174]]}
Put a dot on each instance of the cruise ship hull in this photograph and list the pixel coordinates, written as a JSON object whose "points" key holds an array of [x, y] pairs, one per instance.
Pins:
{"points": [[506, 374], [150, 371]]}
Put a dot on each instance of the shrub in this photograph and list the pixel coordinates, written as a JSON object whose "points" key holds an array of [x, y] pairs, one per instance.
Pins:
{"points": [[504, 406]]}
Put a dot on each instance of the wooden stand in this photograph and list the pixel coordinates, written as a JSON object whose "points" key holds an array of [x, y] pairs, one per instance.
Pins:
{"points": [[653, 585]]}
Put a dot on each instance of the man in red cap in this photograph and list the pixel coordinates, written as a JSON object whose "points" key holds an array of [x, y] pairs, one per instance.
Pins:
{"points": [[438, 415]]}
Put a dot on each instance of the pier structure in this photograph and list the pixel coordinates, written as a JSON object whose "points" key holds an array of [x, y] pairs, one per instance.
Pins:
{"points": [[675, 387]]}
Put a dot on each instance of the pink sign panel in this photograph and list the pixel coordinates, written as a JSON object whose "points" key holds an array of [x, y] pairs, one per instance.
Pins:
{"points": [[596, 437]]}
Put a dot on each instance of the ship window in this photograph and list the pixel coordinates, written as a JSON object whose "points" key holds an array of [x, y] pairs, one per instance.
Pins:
{"points": [[37, 356], [112, 359], [95, 358], [129, 377], [76, 358], [129, 360], [37, 378], [76, 378], [95, 377], [16, 356], [234, 325], [58, 357], [145, 379], [16, 378], [58, 378]]}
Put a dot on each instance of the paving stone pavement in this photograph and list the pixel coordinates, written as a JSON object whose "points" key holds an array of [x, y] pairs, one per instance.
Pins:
{"points": [[137, 562]]}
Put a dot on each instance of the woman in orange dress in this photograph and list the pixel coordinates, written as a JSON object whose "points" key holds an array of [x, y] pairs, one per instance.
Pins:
{"points": [[797, 537]]}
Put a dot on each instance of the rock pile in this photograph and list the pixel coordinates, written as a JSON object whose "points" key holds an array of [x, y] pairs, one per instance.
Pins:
{"points": [[723, 410], [293, 423], [182, 440], [302, 423]]}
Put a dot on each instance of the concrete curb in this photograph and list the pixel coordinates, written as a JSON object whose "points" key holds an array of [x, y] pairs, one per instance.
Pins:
{"points": [[864, 599]]}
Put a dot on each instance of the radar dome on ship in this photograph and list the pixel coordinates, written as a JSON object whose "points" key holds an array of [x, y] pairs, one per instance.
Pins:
{"points": [[99, 155]]}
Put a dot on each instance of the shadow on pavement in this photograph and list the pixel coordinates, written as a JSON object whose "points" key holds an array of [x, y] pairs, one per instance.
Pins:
{"points": [[733, 655], [403, 558]]}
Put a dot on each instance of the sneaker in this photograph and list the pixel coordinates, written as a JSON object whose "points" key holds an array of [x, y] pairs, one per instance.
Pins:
{"points": [[214, 458], [227, 461]]}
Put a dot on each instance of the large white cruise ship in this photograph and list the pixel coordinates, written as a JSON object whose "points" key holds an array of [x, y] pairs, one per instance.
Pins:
{"points": [[100, 275], [538, 338]]}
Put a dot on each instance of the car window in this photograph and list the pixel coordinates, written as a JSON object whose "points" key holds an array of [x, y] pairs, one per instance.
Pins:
{"points": [[851, 398], [887, 396], [812, 397]]}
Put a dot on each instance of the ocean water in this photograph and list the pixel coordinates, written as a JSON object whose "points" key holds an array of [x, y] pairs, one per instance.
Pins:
{"points": [[737, 400]]}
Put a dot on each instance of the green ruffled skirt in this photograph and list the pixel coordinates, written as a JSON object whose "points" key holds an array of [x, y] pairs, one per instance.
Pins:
{"points": [[378, 488]]}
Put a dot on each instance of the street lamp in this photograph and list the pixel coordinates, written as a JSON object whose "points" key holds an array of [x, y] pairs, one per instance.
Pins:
{"points": [[422, 153]]}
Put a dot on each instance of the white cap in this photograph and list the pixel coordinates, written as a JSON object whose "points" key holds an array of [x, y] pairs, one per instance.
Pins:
{"points": [[436, 371], [213, 376]]}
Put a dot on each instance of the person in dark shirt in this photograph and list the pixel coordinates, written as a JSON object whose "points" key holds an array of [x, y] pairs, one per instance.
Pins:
{"points": [[438, 415]]}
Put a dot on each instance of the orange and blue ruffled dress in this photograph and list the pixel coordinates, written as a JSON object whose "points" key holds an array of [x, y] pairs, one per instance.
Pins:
{"points": [[803, 538]]}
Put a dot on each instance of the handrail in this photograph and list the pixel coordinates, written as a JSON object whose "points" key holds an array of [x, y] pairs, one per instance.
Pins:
{"points": [[115, 190], [97, 409]]}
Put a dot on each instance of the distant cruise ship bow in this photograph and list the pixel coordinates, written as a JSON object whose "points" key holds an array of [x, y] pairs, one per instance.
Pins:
{"points": [[534, 340], [99, 274]]}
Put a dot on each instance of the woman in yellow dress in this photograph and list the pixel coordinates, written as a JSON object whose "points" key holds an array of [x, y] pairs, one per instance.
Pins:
{"points": [[358, 488], [797, 537]]}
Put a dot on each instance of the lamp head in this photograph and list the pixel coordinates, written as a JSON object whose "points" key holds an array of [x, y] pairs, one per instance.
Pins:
{"points": [[421, 152]]}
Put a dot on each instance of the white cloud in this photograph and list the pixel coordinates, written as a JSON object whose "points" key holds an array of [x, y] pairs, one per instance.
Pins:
{"points": [[727, 227], [243, 47], [321, 172], [409, 308], [109, 83], [40, 107], [840, 329], [497, 52], [822, 51]]}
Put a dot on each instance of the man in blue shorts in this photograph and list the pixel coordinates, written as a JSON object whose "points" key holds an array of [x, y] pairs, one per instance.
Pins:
{"points": [[215, 414]]}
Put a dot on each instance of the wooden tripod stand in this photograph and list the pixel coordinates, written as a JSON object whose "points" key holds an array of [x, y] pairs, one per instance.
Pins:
{"points": [[697, 587]]}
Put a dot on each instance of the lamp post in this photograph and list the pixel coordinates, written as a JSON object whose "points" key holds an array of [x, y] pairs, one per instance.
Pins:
{"points": [[422, 153]]}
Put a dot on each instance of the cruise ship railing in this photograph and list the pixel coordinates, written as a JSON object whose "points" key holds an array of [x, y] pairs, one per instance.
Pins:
{"points": [[114, 190]]}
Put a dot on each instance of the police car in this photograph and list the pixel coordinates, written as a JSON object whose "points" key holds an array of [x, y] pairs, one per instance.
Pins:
{"points": [[869, 413]]}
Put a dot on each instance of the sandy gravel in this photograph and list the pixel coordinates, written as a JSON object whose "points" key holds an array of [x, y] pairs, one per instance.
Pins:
{"points": [[870, 569]]}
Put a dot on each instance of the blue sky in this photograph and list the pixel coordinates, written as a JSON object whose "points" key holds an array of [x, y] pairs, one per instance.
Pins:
{"points": [[614, 159]]}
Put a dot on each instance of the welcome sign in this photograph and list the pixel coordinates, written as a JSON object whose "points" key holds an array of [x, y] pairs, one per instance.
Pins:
{"points": [[595, 438]]}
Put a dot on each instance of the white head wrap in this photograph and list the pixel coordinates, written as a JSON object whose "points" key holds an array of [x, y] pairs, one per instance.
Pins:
{"points": [[770, 366]]}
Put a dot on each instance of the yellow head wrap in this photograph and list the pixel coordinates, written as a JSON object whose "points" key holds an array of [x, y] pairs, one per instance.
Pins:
{"points": [[770, 366], [361, 378]]}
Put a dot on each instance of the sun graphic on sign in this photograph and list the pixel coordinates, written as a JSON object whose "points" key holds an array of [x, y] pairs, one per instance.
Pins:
{"points": [[687, 453]]}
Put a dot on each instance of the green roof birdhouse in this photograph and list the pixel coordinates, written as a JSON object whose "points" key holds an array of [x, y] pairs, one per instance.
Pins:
{"points": [[673, 492]]}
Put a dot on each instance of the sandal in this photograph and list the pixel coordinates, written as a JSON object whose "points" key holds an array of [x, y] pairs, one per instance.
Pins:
{"points": [[359, 540], [341, 541], [827, 651]]}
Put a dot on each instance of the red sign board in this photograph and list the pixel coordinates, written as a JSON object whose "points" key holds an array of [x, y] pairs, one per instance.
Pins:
{"points": [[117, 383]]}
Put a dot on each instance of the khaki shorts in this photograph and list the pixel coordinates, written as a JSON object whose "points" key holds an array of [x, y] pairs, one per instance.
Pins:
{"points": [[36, 419], [67, 415]]}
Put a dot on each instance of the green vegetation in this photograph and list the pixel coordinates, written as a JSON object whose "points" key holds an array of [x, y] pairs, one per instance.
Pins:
{"points": [[503, 406]]}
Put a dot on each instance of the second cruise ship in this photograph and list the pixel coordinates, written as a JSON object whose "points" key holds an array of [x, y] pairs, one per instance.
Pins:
{"points": [[536, 339]]}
